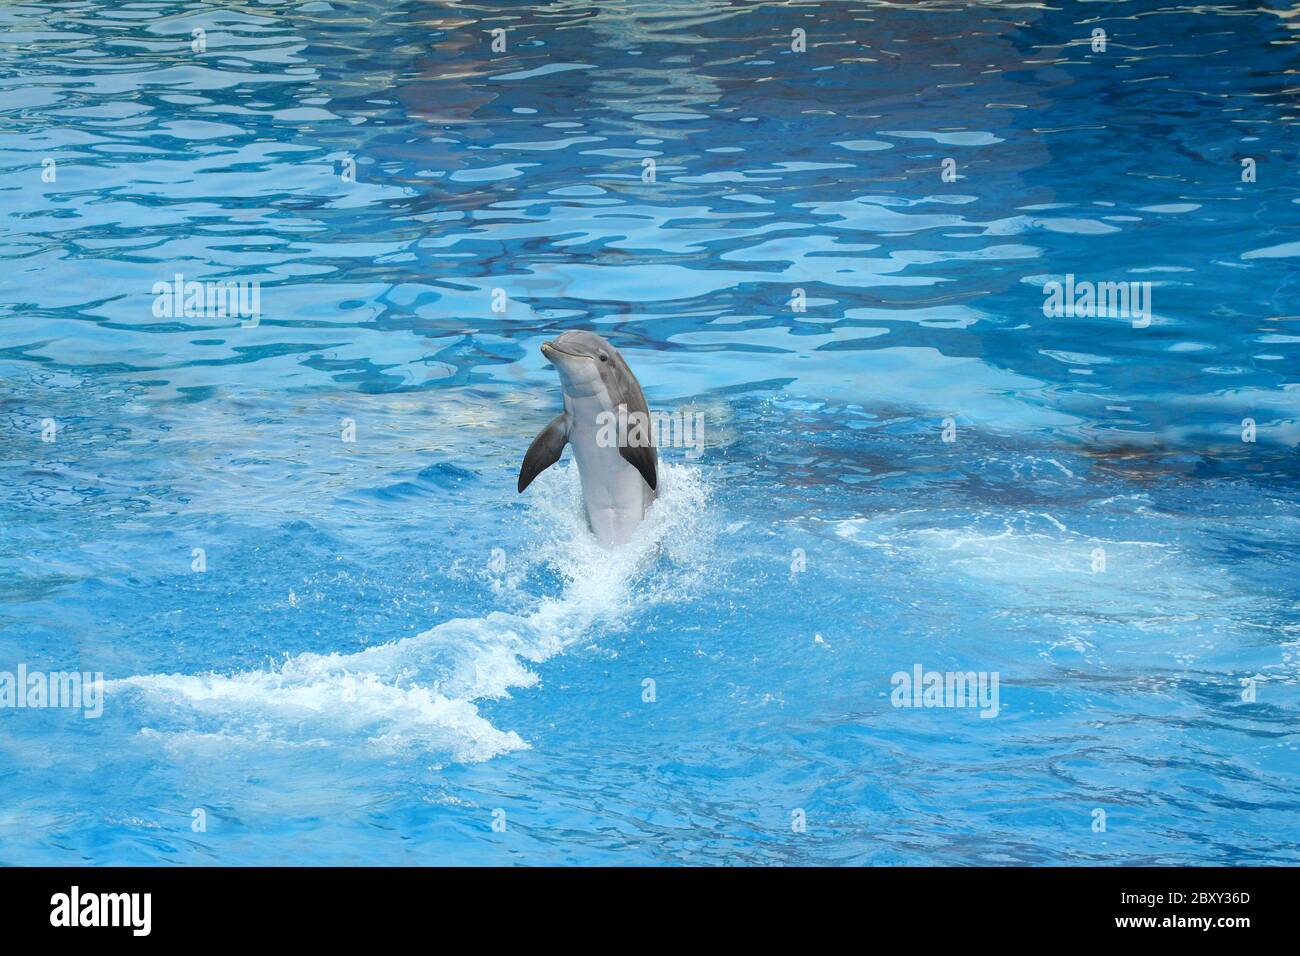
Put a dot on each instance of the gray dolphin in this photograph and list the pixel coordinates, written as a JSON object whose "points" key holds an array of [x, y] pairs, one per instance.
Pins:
{"points": [[606, 420]]}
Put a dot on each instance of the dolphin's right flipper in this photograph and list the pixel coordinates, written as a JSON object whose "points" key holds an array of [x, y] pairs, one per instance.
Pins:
{"points": [[544, 451]]}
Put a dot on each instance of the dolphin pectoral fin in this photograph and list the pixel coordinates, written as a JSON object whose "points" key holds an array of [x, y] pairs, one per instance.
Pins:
{"points": [[642, 458], [544, 451]]}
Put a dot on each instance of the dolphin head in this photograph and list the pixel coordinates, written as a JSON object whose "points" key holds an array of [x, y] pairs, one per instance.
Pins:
{"points": [[585, 361]]}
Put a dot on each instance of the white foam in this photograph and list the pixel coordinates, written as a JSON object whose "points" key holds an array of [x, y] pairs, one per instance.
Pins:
{"points": [[421, 692], [1022, 550]]}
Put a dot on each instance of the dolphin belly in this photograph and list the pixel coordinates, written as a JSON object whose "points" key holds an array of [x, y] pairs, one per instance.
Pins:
{"points": [[614, 492]]}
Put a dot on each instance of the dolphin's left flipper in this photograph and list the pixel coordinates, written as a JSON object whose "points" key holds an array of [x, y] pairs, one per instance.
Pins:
{"points": [[642, 458], [545, 450]]}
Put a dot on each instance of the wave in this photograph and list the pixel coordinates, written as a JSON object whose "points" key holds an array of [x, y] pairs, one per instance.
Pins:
{"points": [[422, 692]]}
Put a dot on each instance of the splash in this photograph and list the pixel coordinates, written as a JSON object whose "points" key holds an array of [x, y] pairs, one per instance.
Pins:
{"points": [[422, 692]]}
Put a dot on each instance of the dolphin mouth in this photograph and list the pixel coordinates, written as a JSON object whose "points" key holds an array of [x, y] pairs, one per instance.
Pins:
{"points": [[548, 347]]}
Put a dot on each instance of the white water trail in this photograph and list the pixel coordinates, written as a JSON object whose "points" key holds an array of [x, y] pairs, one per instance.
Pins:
{"points": [[421, 692]]}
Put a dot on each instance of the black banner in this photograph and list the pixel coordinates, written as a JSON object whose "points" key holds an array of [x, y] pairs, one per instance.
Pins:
{"points": [[212, 905]]}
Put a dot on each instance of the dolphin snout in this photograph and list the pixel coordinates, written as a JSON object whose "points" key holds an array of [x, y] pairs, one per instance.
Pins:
{"points": [[550, 351]]}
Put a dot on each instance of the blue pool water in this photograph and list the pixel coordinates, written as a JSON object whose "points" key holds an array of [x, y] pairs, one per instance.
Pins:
{"points": [[390, 650]]}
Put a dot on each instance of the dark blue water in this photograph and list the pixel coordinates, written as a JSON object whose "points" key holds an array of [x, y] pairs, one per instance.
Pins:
{"points": [[389, 648]]}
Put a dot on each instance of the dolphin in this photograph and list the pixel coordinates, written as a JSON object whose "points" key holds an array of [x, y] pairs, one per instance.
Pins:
{"points": [[606, 420]]}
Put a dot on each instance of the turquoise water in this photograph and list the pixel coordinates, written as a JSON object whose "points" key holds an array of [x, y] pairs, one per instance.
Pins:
{"points": [[389, 650]]}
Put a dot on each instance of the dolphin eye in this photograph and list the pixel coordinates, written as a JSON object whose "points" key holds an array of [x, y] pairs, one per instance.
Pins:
{"points": [[604, 357]]}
